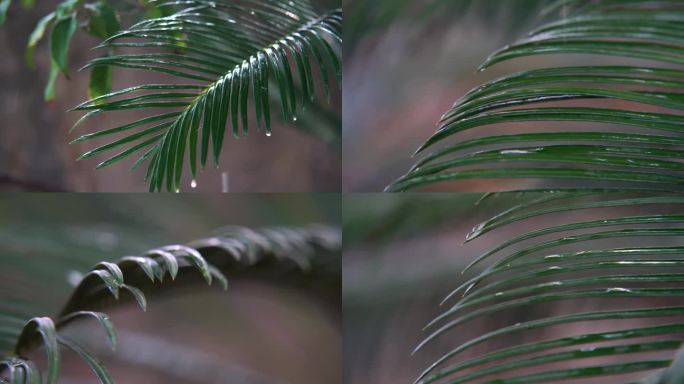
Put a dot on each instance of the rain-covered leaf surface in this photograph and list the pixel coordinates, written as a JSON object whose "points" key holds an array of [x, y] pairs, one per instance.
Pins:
{"points": [[623, 122]]}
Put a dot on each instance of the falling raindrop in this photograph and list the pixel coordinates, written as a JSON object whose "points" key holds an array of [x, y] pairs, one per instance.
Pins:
{"points": [[177, 190], [193, 183], [294, 118], [268, 134], [225, 182]]}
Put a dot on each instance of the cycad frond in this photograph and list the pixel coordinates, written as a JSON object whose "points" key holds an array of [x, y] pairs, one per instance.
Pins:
{"points": [[228, 53], [647, 98], [549, 266], [234, 251]]}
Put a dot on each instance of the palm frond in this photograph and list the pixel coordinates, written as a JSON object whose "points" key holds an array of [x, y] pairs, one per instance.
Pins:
{"points": [[223, 50], [638, 266], [234, 251], [634, 97]]}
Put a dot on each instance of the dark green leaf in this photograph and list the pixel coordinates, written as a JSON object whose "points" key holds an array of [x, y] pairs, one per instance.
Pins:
{"points": [[60, 37], [37, 35], [228, 51], [45, 328], [103, 20], [100, 81]]}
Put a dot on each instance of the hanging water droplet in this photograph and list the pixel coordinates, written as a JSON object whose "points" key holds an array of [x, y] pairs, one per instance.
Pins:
{"points": [[193, 183], [475, 232]]}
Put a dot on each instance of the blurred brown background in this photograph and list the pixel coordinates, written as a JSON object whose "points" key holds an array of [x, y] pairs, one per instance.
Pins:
{"points": [[35, 154]]}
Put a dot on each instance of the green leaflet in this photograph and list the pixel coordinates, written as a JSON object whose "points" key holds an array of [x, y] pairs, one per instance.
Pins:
{"points": [[94, 364], [584, 353], [37, 35], [147, 265], [216, 274], [168, 261], [525, 211], [60, 36], [44, 327], [586, 316], [100, 317], [21, 371], [113, 269], [59, 41], [103, 22], [137, 294], [593, 371], [49, 93], [670, 329], [194, 258], [100, 81]]}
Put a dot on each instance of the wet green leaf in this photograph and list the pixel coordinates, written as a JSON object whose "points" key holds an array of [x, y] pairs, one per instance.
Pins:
{"points": [[37, 36], [211, 47], [45, 329], [104, 320], [649, 124], [100, 81], [103, 21], [60, 37]]}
